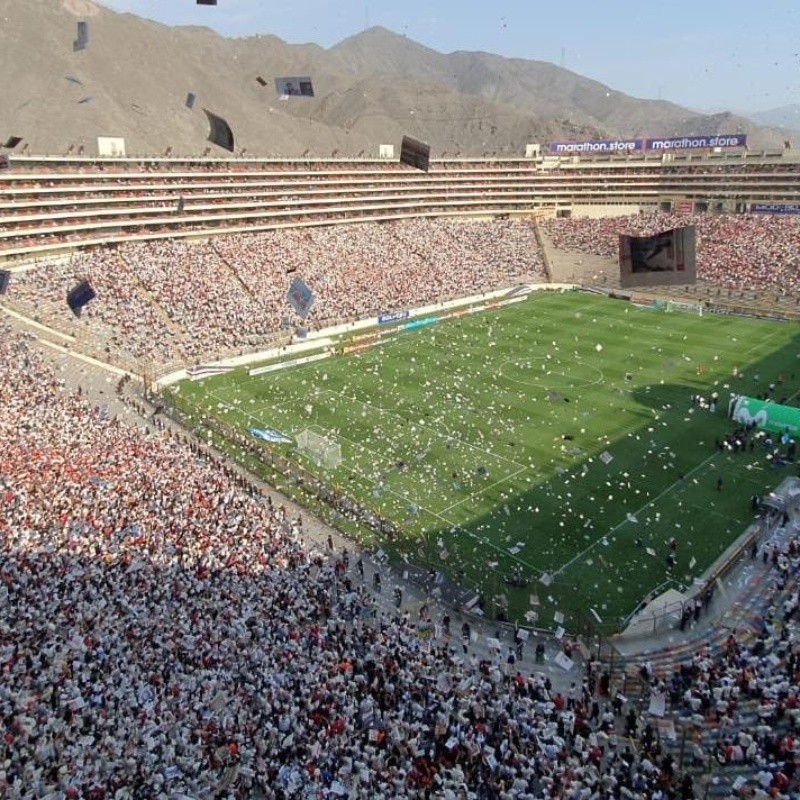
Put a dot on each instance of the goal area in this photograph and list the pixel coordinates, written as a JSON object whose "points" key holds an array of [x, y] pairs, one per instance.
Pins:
{"points": [[322, 450]]}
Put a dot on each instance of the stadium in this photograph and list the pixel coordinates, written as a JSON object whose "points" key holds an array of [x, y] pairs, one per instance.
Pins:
{"points": [[379, 477]]}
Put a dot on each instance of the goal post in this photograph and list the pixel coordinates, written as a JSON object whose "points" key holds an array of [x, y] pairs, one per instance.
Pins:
{"points": [[324, 451]]}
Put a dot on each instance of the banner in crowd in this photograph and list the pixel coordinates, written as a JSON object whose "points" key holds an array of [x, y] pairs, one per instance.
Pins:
{"points": [[774, 208], [268, 435], [598, 146], [300, 297], [79, 296], [666, 258]]}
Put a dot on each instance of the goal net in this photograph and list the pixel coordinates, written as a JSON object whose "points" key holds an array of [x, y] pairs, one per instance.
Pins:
{"points": [[322, 450]]}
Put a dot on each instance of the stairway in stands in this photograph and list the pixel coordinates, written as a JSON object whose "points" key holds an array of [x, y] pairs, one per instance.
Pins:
{"points": [[744, 619], [177, 330]]}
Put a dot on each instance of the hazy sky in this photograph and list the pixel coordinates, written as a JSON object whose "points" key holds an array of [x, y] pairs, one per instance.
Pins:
{"points": [[730, 54]]}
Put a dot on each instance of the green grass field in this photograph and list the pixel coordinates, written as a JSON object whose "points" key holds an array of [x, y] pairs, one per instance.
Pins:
{"points": [[485, 438]]}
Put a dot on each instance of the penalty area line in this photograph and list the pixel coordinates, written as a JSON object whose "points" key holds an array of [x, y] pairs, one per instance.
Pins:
{"points": [[647, 505], [479, 492]]}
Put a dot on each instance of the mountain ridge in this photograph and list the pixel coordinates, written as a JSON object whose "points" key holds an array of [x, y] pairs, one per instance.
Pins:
{"points": [[787, 116], [370, 88]]}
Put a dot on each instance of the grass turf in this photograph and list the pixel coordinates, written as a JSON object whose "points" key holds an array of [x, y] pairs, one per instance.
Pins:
{"points": [[485, 439]]}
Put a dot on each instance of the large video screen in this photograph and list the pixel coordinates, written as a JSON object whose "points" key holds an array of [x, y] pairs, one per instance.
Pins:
{"points": [[663, 259]]}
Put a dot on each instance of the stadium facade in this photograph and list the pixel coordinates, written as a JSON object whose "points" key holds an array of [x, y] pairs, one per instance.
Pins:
{"points": [[56, 203]]}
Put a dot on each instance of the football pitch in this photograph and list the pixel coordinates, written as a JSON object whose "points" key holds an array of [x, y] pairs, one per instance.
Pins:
{"points": [[554, 440]]}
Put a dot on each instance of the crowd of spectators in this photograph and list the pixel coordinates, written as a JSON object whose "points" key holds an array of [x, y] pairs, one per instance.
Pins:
{"points": [[734, 251], [43, 208], [168, 300], [165, 631], [742, 700], [128, 322]]}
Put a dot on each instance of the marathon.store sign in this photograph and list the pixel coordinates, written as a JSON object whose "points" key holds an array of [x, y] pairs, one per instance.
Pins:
{"points": [[597, 146], [775, 208], [594, 146]]}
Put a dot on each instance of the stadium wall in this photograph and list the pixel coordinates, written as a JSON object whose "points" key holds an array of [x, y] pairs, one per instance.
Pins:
{"points": [[611, 210], [327, 336], [55, 204]]}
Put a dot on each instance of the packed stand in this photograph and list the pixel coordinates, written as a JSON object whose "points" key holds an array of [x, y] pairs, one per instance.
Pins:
{"points": [[126, 322], [734, 251], [164, 632], [361, 270], [741, 699], [172, 299]]}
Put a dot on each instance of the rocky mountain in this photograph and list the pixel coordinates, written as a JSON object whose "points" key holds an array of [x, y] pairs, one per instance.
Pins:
{"points": [[547, 91], [133, 77], [783, 117]]}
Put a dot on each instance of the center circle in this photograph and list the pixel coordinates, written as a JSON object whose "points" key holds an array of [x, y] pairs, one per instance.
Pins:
{"points": [[550, 373]]}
